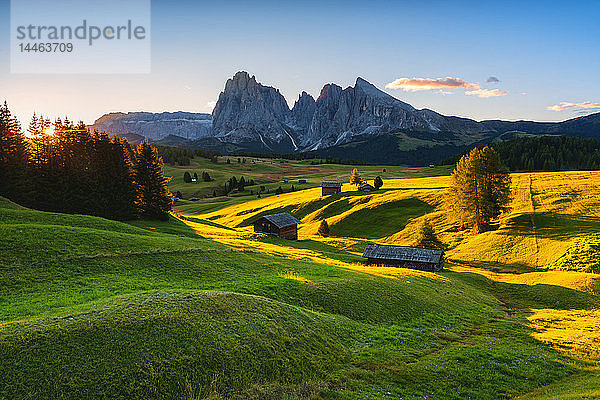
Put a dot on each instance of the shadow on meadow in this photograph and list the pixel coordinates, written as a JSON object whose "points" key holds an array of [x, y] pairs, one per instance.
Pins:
{"points": [[550, 225]]}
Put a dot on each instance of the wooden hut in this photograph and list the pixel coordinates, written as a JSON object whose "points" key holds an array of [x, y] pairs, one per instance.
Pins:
{"points": [[405, 257], [328, 188], [284, 225], [365, 187]]}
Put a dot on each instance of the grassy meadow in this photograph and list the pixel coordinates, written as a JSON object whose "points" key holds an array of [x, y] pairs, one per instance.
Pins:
{"points": [[200, 307]]}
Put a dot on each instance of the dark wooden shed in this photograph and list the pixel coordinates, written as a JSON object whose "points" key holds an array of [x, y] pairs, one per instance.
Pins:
{"points": [[405, 257], [284, 225], [328, 188]]}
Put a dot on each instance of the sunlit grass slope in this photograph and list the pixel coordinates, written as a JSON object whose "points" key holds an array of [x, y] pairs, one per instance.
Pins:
{"points": [[201, 307], [121, 311], [554, 220]]}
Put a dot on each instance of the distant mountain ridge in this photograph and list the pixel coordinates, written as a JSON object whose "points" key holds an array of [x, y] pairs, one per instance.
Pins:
{"points": [[156, 126], [249, 116]]}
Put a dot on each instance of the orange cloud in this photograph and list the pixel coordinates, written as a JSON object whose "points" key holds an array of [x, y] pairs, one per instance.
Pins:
{"points": [[417, 84], [565, 104], [485, 93]]}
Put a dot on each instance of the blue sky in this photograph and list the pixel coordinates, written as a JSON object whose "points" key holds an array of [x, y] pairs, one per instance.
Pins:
{"points": [[549, 51]]}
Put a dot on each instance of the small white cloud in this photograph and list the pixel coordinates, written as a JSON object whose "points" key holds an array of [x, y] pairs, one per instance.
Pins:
{"points": [[566, 104], [524, 93], [445, 92], [418, 84], [485, 93]]}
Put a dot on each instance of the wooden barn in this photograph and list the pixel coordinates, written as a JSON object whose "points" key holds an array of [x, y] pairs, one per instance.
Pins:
{"points": [[283, 225], [405, 257], [328, 188], [365, 187]]}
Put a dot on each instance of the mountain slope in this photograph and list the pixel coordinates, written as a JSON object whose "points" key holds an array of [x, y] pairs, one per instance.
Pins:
{"points": [[156, 126]]}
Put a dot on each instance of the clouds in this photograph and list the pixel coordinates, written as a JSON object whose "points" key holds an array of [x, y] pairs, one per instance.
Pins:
{"points": [[418, 84], [564, 105], [444, 85], [485, 93]]}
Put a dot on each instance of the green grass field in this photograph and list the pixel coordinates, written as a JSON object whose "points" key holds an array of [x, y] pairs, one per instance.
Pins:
{"points": [[199, 307]]}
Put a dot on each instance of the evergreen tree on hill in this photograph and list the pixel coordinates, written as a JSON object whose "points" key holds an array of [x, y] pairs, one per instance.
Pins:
{"points": [[378, 183], [426, 237], [480, 188], [323, 228], [155, 199], [187, 178]]}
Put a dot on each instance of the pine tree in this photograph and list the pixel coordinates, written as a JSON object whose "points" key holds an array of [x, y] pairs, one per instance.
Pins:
{"points": [[480, 188], [426, 237], [377, 183], [355, 178], [195, 176], [323, 228], [118, 195], [155, 199], [13, 157], [187, 178]]}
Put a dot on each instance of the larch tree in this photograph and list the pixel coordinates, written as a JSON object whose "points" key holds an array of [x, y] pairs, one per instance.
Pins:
{"points": [[355, 178], [480, 189], [426, 237], [378, 183], [323, 228], [155, 198]]}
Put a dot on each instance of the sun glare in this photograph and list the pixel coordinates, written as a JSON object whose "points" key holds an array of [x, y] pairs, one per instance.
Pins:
{"points": [[49, 131]]}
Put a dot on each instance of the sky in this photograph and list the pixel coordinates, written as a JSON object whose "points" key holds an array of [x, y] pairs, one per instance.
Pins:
{"points": [[533, 60]]}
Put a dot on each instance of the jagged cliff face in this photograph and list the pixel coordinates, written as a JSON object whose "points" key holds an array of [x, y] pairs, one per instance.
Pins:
{"points": [[302, 113], [248, 111], [342, 114]]}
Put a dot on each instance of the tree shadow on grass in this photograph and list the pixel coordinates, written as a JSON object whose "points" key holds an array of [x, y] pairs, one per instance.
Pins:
{"points": [[539, 295], [550, 225]]}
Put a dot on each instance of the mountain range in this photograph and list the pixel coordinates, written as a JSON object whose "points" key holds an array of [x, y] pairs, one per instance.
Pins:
{"points": [[358, 122]]}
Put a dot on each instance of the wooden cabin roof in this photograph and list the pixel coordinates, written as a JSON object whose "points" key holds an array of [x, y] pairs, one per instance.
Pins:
{"points": [[281, 220], [331, 184], [403, 253]]}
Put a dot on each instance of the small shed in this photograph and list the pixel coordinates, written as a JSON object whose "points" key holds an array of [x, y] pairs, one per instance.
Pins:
{"points": [[365, 187], [405, 257], [331, 188], [284, 225]]}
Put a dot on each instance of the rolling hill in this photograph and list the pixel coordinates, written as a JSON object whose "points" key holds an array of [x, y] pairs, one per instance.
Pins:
{"points": [[200, 307]]}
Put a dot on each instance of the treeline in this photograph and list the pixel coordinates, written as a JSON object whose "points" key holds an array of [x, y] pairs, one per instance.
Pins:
{"points": [[63, 167], [180, 156], [316, 157], [550, 153], [546, 153]]}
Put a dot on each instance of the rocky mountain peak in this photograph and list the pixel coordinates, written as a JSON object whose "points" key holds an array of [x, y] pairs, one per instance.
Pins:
{"points": [[241, 81]]}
